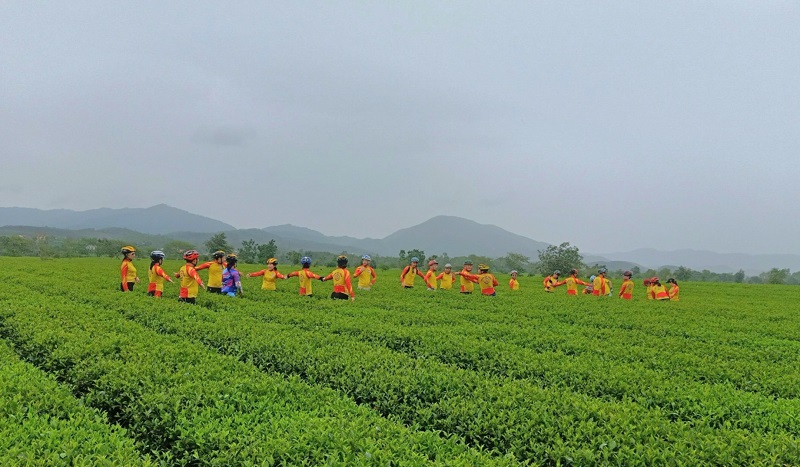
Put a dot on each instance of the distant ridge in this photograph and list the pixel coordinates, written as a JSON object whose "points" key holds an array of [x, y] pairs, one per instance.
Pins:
{"points": [[155, 220], [455, 236]]}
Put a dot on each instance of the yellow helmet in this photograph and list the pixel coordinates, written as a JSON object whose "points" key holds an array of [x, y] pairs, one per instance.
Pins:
{"points": [[128, 249], [483, 267], [272, 261]]}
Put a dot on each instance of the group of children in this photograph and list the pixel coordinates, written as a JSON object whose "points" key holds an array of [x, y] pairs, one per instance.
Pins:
{"points": [[224, 278], [600, 285]]}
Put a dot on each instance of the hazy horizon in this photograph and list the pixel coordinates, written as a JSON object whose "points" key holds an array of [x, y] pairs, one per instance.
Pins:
{"points": [[610, 126]]}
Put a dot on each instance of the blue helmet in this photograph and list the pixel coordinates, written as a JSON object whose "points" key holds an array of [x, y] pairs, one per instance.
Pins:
{"points": [[366, 257], [415, 260], [305, 260]]}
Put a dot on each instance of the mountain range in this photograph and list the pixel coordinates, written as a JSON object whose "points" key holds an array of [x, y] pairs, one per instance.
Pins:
{"points": [[442, 234]]}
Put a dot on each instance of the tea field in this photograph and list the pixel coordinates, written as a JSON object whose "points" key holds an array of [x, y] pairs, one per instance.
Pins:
{"points": [[92, 376]]}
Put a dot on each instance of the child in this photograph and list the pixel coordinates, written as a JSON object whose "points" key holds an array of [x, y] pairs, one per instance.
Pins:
{"points": [[190, 279], [215, 268], [513, 284], [271, 275], [365, 273], [487, 281], [589, 289], [127, 269], [601, 286], [674, 291], [231, 279], [341, 280], [430, 276], [649, 284], [550, 281], [626, 289], [409, 273], [659, 292], [467, 279], [572, 283], [447, 277], [157, 274], [305, 276]]}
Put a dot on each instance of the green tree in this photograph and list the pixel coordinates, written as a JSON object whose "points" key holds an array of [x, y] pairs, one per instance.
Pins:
{"points": [[418, 253], [562, 257], [683, 273], [249, 252], [294, 257], [267, 250], [777, 276], [174, 249], [636, 270], [218, 242], [517, 261], [739, 276]]}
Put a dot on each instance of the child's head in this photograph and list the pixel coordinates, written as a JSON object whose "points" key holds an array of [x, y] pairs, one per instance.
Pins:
{"points": [[231, 259], [305, 262], [156, 257], [341, 261], [272, 264], [483, 268], [414, 262], [646, 282], [191, 256], [602, 272], [627, 275], [556, 273], [672, 281], [468, 265], [573, 272], [433, 264], [219, 255], [128, 252], [448, 267], [365, 260], [514, 274]]}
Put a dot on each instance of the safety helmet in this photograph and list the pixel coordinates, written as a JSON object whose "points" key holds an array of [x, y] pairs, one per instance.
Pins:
{"points": [[305, 260], [218, 254], [654, 279], [627, 273], [231, 258], [573, 272], [646, 281], [341, 261], [670, 281], [366, 257], [556, 272], [448, 265], [483, 267], [602, 271], [157, 255], [415, 259], [432, 262], [190, 255], [128, 249], [592, 278], [272, 261], [468, 262], [514, 271]]}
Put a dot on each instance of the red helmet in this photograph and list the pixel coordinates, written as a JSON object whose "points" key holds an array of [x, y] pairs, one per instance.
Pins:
{"points": [[190, 255]]}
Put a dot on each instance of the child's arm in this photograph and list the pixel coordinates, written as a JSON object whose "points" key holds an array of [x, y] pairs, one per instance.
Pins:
{"points": [[125, 277], [374, 276], [160, 272], [203, 266], [257, 273]]}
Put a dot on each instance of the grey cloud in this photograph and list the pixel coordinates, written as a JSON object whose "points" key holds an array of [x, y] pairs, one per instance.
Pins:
{"points": [[224, 136]]}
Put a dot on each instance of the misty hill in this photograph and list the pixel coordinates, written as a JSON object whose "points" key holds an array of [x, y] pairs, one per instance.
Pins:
{"points": [[159, 220], [717, 262], [114, 233], [457, 236]]}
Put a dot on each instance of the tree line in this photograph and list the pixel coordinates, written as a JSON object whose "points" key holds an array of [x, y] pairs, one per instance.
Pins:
{"points": [[563, 257]]}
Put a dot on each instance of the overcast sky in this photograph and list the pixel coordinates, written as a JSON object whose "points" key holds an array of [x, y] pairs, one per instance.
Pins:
{"points": [[611, 125]]}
